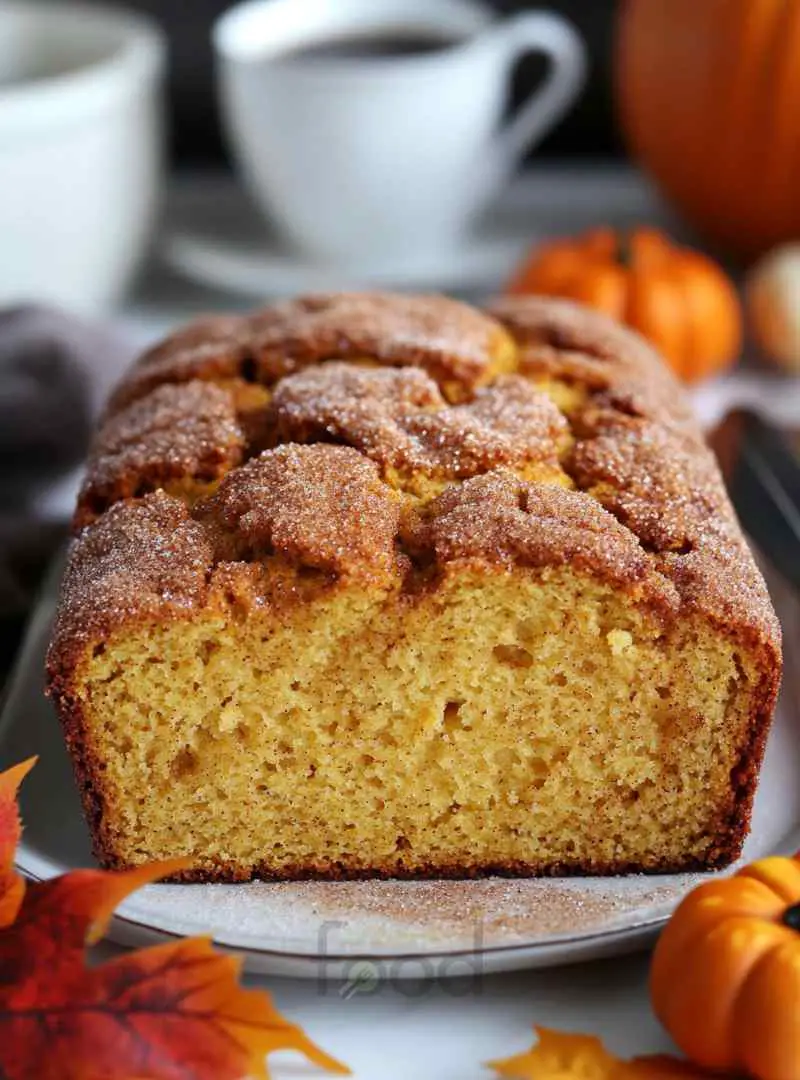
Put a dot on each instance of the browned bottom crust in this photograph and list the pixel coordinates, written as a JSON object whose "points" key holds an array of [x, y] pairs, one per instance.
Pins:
{"points": [[229, 873]]}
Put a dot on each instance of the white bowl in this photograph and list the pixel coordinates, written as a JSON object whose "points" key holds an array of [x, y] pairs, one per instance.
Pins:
{"points": [[80, 150]]}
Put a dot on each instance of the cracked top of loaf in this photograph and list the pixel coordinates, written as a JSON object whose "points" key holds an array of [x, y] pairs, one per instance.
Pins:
{"points": [[391, 439]]}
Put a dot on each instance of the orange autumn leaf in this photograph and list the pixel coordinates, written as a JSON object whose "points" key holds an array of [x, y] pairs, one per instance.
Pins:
{"points": [[12, 886], [172, 1012], [558, 1055]]}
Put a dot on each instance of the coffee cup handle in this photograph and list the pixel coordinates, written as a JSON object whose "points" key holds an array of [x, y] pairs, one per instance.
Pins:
{"points": [[553, 36]]}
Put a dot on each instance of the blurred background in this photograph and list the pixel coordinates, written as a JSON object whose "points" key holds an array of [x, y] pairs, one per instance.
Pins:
{"points": [[162, 158]]}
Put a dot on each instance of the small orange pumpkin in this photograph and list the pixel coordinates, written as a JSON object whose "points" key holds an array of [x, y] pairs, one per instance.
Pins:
{"points": [[725, 979], [676, 297]]}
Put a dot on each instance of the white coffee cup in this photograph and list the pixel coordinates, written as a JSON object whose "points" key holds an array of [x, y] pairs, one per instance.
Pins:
{"points": [[80, 150], [357, 159]]}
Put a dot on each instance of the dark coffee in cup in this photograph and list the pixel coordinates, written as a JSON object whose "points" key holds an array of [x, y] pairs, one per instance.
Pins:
{"points": [[382, 44]]}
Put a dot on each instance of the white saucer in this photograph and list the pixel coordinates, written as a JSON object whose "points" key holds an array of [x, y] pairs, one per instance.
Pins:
{"points": [[219, 239], [257, 266]]}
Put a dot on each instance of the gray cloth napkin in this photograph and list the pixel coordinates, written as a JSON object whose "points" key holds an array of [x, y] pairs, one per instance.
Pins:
{"points": [[50, 364]]}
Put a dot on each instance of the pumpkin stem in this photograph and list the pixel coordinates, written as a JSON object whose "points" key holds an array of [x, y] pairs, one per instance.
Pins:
{"points": [[791, 917], [625, 249]]}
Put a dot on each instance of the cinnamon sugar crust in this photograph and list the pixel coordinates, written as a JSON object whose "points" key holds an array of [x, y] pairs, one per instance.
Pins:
{"points": [[400, 419], [143, 559], [187, 435], [629, 445], [661, 486], [320, 507], [410, 442], [498, 518], [457, 345], [621, 372], [213, 348]]}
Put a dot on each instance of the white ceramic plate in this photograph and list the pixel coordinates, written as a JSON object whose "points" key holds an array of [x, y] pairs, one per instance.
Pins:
{"points": [[364, 931]]}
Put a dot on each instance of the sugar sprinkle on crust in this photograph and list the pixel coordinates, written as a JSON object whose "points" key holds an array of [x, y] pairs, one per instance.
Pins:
{"points": [[188, 433], [501, 518], [630, 445], [143, 559], [459, 346], [456, 344], [399, 419], [620, 369], [322, 507]]}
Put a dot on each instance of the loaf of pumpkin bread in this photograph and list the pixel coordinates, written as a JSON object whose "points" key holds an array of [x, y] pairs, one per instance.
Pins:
{"points": [[374, 585]]}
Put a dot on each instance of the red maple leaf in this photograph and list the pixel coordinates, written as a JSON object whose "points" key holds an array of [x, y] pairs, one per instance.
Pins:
{"points": [[172, 1012]]}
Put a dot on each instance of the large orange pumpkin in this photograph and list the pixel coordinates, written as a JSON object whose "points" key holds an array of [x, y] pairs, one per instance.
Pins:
{"points": [[725, 980], [708, 94], [677, 298]]}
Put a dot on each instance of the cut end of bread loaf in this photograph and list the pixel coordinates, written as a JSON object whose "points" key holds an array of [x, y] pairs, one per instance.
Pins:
{"points": [[494, 723], [387, 586]]}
